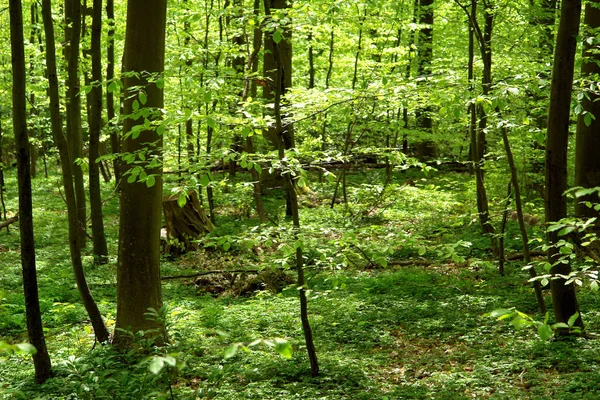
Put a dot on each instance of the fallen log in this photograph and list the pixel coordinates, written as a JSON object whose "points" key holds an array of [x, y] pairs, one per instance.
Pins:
{"points": [[9, 221], [216, 271]]}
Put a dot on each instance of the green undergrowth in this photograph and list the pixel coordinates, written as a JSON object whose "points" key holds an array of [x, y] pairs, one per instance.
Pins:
{"points": [[382, 330]]}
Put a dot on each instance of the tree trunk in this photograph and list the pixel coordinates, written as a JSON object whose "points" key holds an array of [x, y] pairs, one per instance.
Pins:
{"points": [[426, 148], [110, 96], [74, 133], [35, 329], [100, 250], [279, 78], [587, 162], [184, 224], [138, 270], [89, 303], [563, 296]]}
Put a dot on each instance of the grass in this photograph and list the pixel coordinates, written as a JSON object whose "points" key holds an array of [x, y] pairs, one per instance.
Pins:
{"points": [[380, 332]]}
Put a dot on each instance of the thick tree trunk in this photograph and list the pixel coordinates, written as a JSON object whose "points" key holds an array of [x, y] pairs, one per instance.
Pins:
{"points": [[89, 303], [426, 148], [138, 270], [100, 249], [563, 296], [185, 224], [587, 162], [35, 329]]}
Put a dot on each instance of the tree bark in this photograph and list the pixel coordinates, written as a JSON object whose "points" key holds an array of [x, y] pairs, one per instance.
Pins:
{"points": [[587, 162], [138, 270], [35, 329], [115, 142], [279, 78], [100, 250], [563, 296], [89, 303], [74, 133]]}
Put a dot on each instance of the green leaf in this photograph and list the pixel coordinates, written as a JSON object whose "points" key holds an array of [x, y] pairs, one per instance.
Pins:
{"points": [[112, 87], [135, 105], [211, 122], [156, 365], [231, 351], [226, 246], [161, 129], [545, 332], [587, 119], [283, 348], [204, 180], [301, 182], [160, 83], [26, 348], [143, 98], [594, 286], [422, 250], [150, 181], [277, 36], [207, 96], [573, 319], [258, 168], [500, 312], [181, 200]]}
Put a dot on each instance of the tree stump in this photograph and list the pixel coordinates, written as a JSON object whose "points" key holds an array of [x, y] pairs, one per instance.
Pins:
{"points": [[184, 224]]}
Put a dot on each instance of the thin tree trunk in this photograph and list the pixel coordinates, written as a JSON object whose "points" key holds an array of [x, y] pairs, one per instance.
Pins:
{"points": [[100, 250], [310, 347], [35, 329], [519, 208], [110, 95], [74, 133], [563, 296], [89, 303]]}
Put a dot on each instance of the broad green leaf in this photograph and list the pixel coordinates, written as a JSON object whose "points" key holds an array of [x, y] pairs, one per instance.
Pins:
{"points": [[545, 332], [161, 129], [500, 312], [135, 105], [150, 181], [211, 122], [231, 351], [112, 87], [573, 319], [594, 286], [587, 119], [226, 246], [283, 348], [143, 98], [204, 180], [277, 36], [156, 365], [181, 200], [26, 348], [422, 250]]}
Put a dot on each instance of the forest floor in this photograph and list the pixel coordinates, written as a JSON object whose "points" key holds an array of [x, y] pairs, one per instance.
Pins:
{"points": [[383, 329]]}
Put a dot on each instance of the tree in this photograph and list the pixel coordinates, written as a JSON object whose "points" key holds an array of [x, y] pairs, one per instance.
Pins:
{"points": [[35, 329], [100, 249], [563, 296], [74, 130], [89, 303], [587, 162], [138, 271]]}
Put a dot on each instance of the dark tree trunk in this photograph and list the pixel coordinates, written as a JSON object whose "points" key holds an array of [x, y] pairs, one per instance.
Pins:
{"points": [[74, 132], [185, 224], [115, 142], [100, 249], [279, 78], [587, 162], [89, 303], [563, 296], [35, 329], [138, 270], [425, 149]]}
